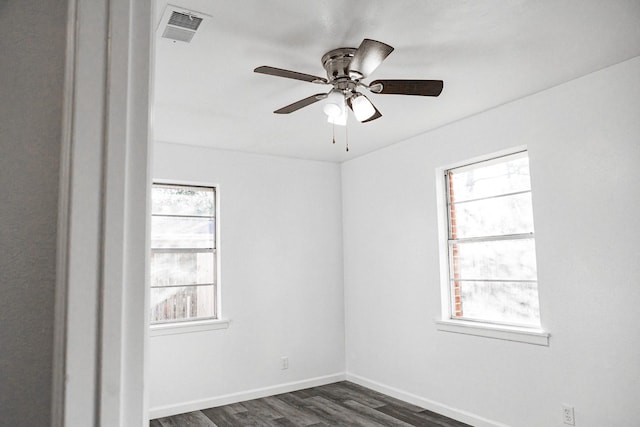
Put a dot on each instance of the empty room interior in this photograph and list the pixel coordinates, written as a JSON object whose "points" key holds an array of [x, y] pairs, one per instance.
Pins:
{"points": [[436, 201]]}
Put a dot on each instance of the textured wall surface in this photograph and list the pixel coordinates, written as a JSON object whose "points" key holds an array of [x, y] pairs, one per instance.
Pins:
{"points": [[584, 156], [281, 277], [32, 45]]}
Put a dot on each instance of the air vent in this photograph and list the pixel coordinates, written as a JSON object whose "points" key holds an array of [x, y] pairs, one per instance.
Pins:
{"points": [[182, 26], [183, 20]]}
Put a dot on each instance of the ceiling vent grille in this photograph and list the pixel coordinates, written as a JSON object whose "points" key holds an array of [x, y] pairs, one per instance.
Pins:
{"points": [[182, 26]]}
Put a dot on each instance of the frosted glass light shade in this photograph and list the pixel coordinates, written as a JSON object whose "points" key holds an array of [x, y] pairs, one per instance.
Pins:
{"points": [[363, 109], [334, 106], [331, 110], [340, 120]]}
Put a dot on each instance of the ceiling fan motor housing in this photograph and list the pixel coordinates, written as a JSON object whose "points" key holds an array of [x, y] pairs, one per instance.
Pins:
{"points": [[336, 63]]}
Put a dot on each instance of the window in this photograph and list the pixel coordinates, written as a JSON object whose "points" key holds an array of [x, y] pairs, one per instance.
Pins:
{"points": [[491, 275], [183, 253]]}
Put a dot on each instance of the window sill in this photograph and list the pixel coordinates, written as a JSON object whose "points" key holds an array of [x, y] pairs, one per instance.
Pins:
{"points": [[187, 327], [508, 333]]}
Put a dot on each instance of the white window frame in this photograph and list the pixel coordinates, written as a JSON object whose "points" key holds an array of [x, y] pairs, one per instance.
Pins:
{"points": [[198, 324], [447, 322]]}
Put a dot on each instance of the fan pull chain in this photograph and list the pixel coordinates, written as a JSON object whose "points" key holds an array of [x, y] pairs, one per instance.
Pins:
{"points": [[346, 138], [333, 127]]}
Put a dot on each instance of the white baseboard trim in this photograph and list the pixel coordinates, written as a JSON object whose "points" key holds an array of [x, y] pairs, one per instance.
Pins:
{"points": [[456, 414], [227, 399]]}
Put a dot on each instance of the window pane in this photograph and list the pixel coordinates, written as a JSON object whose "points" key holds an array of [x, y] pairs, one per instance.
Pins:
{"points": [[181, 232], [183, 260], [499, 177], [492, 217], [502, 302], [181, 200], [182, 303], [492, 261], [186, 268], [497, 259]]}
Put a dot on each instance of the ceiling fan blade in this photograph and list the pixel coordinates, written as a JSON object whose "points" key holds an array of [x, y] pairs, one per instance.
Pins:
{"points": [[375, 115], [301, 104], [279, 72], [408, 87], [368, 57]]}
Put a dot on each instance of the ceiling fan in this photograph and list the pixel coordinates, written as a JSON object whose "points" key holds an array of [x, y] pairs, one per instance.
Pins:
{"points": [[346, 67]]}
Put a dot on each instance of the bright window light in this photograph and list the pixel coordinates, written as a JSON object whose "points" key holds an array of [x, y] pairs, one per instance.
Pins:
{"points": [[492, 275], [183, 254]]}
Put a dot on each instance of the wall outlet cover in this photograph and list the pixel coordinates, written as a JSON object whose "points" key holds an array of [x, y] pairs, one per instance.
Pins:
{"points": [[568, 415]]}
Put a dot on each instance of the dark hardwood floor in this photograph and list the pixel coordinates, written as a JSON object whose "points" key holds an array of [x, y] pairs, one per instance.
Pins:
{"points": [[339, 404]]}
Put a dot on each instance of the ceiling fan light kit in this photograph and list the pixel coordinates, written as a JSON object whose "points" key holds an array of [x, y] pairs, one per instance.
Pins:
{"points": [[335, 105], [362, 108], [345, 68], [340, 119]]}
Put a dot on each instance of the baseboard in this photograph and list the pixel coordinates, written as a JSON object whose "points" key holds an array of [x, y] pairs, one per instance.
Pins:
{"points": [[456, 414], [227, 399]]}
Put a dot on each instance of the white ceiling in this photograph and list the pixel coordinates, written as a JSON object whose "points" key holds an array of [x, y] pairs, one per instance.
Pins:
{"points": [[488, 52]]}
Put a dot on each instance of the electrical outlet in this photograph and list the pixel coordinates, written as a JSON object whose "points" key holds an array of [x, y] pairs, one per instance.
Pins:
{"points": [[567, 415], [284, 362]]}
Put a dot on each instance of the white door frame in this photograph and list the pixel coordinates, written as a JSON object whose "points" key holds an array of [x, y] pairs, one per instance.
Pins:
{"points": [[100, 336]]}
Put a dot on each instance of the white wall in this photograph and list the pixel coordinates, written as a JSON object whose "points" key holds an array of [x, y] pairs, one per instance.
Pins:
{"points": [[32, 42], [282, 279], [584, 145]]}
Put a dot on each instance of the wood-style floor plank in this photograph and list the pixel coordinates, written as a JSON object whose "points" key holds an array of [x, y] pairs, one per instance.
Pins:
{"points": [[338, 392], [295, 415], [339, 404], [284, 422], [259, 408], [254, 420], [190, 419], [374, 414], [340, 415], [301, 404], [419, 418], [372, 394], [222, 417]]}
